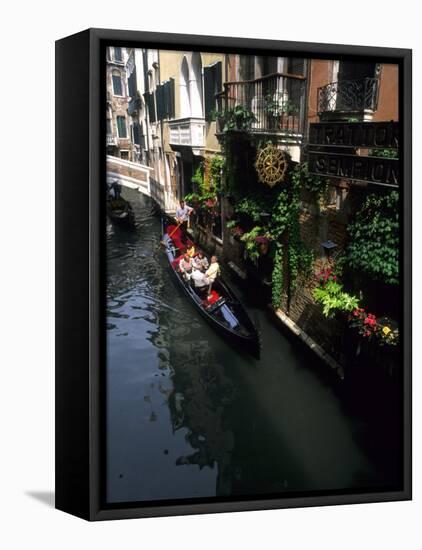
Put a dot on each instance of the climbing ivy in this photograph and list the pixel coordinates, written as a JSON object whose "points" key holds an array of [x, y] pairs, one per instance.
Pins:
{"points": [[277, 276], [314, 184], [374, 242]]}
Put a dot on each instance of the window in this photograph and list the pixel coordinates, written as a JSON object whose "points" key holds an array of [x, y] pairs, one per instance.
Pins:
{"points": [[117, 84], [124, 155], [118, 54], [159, 96], [136, 134], [121, 127], [109, 130], [131, 84], [212, 85], [150, 105], [169, 98], [296, 65]]}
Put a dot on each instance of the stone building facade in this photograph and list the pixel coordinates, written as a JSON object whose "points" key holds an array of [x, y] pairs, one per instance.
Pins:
{"points": [[118, 138], [173, 104]]}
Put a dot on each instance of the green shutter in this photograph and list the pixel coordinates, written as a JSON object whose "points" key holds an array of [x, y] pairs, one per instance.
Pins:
{"points": [[121, 126], [212, 85], [171, 106], [136, 134], [159, 94], [218, 71], [117, 85], [150, 104], [209, 85], [132, 84]]}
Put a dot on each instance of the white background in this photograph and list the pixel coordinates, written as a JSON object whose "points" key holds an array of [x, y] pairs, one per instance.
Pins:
{"points": [[27, 36]]}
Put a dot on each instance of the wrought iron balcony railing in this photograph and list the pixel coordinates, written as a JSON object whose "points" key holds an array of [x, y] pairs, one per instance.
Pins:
{"points": [[272, 104], [349, 96]]}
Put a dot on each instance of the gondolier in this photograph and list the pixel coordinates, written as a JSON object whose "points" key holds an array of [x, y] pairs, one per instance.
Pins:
{"points": [[182, 217]]}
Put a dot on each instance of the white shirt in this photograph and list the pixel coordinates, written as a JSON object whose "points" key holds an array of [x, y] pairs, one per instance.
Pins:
{"points": [[212, 271], [183, 213], [199, 279]]}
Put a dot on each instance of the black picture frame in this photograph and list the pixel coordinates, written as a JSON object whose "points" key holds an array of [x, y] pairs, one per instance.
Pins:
{"points": [[80, 166]]}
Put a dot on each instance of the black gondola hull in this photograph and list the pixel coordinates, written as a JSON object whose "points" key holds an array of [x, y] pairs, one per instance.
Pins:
{"points": [[249, 342]]}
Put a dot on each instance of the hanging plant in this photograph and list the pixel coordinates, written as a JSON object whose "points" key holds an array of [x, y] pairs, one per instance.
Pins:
{"points": [[253, 241]]}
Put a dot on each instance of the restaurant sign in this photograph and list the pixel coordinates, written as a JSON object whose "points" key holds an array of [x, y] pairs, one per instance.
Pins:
{"points": [[372, 135], [344, 150], [383, 171]]}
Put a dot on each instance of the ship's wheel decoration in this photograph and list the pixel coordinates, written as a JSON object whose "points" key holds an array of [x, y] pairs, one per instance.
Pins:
{"points": [[271, 165]]}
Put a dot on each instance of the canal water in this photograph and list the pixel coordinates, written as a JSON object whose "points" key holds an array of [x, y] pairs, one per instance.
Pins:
{"points": [[190, 416]]}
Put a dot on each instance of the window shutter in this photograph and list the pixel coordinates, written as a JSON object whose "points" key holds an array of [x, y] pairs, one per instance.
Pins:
{"points": [[136, 134], [171, 107], [159, 93], [121, 126], [212, 85], [209, 85], [149, 101], [117, 85], [132, 84], [218, 71], [118, 54]]}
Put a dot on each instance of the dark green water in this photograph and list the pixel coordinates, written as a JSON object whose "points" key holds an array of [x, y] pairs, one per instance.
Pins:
{"points": [[189, 416]]}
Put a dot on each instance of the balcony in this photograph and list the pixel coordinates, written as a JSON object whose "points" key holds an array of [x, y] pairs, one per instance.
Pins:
{"points": [[111, 141], [134, 105], [348, 99], [273, 104], [188, 132]]}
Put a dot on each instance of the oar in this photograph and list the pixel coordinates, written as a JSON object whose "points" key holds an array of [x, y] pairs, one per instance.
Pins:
{"points": [[173, 232]]}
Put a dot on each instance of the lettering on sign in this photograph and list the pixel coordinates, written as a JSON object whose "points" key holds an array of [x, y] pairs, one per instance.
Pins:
{"points": [[384, 171], [381, 135]]}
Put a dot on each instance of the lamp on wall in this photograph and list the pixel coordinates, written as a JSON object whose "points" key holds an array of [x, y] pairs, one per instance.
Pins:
{"points": [[328, 247]]}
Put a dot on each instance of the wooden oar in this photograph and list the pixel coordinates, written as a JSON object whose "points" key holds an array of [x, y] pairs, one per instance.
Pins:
{"points": [[173, 232]]}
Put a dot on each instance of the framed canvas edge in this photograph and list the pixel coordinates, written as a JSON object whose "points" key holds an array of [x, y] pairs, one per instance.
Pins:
{"points": [[96, 510]]}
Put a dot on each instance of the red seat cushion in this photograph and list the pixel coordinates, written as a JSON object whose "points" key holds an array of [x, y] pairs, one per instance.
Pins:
{"points": [[212, 298]]}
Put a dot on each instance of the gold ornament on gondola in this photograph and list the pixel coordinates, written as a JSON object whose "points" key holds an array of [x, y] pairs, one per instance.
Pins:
{"points": [[271, 165]]}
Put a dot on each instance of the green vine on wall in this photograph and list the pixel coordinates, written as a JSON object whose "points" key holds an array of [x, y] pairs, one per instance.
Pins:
{"points": [[277, 275], [314, 184], [281, 207], [374, 244]]}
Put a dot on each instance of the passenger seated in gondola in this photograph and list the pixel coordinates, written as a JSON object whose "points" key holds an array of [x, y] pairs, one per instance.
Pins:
{"points": [[212, 272], [191, 251], [200, 261], [199, 279], [185, 266]]}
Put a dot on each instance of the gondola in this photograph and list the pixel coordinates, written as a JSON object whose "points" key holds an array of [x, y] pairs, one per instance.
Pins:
{"points": [[221, 309], [120, 211]]}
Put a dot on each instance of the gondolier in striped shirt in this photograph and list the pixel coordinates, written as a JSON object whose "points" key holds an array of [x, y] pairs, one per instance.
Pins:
{"points": [[182, 218]]}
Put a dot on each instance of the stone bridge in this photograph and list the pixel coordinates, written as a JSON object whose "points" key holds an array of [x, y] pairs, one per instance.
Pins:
{"points": [[141, 177]]}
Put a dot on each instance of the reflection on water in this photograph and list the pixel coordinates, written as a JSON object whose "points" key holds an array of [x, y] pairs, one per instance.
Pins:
{"points": [[189, 416]]}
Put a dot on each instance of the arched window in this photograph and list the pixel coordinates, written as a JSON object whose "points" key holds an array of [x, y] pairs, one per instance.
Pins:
{"points": [[196, 86], [117, 83], [185, 110]]}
